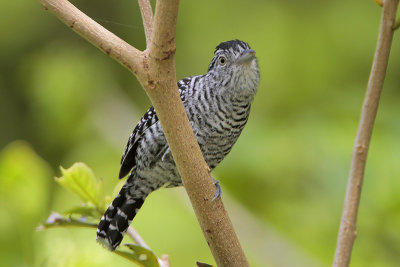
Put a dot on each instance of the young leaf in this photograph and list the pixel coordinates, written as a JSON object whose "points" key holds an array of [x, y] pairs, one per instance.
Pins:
{"points": [[84, 210], [81, 180], [140, 255]]}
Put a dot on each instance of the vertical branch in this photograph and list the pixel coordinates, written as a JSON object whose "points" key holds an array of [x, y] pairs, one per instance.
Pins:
{"points": [[347, 231], [162, 46], [147, 17]]}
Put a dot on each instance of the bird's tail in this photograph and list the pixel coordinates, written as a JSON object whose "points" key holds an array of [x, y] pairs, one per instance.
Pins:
{"points": [[117, 218]]}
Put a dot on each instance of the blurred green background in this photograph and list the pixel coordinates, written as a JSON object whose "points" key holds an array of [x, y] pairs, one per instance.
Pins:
{"points": [[63, 101]]}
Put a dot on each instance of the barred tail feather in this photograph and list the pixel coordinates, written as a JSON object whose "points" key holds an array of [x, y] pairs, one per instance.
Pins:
{"points": [[117, 218]]}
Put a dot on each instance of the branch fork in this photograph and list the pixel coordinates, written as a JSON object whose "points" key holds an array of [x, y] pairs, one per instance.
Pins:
{"points": [[155, 69]]}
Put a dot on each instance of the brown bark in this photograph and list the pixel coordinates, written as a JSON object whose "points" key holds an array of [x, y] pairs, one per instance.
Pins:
{"points": [[347, 231], [147, 16]]}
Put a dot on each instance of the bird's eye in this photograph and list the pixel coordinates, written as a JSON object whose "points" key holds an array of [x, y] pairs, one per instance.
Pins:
{"points": [[222, 60]]}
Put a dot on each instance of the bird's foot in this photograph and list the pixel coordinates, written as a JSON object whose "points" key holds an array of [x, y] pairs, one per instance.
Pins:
{"points": [[218, 192]]}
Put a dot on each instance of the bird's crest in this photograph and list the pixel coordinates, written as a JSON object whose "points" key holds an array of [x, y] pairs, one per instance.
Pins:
{"points": [[232, 45]]}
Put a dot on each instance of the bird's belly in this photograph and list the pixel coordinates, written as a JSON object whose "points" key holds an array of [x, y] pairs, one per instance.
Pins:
{"points": [[217, 145], [163, 172], [215, 140]]}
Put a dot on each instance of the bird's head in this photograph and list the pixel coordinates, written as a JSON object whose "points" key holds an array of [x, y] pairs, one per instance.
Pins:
{"points": [[234, 67]]}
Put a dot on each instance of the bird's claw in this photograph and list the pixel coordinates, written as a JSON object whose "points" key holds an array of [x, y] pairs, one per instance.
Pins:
{"points": [[218, 192]]}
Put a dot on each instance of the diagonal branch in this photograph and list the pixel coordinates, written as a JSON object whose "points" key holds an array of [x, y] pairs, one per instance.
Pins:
{"points": [[211, 215], [347, 232], [155, 70], [147, 16]]}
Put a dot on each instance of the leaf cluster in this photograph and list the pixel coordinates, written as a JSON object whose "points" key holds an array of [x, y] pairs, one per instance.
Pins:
{"points": [[80, 180]]}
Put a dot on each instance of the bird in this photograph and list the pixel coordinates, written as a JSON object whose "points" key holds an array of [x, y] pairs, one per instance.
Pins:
{"points": [[218, 106]]}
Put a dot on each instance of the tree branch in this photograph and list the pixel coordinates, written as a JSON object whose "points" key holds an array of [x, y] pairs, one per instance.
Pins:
{"points": [[155, 70], [162, 46], [131, 232], [147, 16], [347, 232], [212, 216]]}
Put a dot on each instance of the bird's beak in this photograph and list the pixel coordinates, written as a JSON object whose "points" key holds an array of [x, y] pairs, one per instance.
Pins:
{"points": [[246, 56]]}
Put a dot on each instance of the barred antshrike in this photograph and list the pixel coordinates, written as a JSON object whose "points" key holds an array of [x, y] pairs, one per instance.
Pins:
{"points": [[217, 105]]}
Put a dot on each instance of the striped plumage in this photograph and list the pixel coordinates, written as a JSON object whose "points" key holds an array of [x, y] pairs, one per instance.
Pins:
{"points": [[217, 104]]}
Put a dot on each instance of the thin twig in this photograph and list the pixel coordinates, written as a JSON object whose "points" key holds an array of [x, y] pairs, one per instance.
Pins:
{"points": [[136, 237], [147, 17], [347, 232]]}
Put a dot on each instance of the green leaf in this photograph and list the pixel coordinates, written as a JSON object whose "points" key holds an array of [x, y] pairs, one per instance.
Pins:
{"points": [[140, 255], [81, 180], [57, 220], [84, 210]]}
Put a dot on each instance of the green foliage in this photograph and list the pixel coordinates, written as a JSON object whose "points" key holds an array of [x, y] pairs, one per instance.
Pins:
{"points": [[137, 254], [84, 210], [81, 181], [140, 255]]}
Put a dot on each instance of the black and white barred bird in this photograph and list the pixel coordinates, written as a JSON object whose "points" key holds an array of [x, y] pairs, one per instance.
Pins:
{"points": [[217, 104]]}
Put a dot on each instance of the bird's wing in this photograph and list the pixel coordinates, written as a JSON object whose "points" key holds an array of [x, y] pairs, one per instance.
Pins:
{"points": [[128, 161]]}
